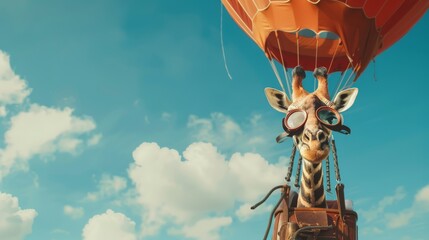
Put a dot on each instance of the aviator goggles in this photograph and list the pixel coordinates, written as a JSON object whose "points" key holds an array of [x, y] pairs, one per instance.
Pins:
{"points": [[295, 120]]}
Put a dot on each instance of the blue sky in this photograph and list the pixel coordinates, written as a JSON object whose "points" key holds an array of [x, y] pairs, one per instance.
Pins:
{"points": [[120, 116]]}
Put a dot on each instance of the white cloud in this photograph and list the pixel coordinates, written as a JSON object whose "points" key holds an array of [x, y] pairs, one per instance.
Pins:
{"points": [[204, 229], [108, 186], [375, 212], [13, 89], [396, 220], [423, 196], [202, 183], [42, 131], [109, 226], [393, 220], [3, 111], [69, 144], [73, 212], [36, 182], [15, 223], [203, 128], [224, 131], [372, 231], [165, 116], [256, 140], [219, 127], [420, 207], [255, 119], [94, 140]]}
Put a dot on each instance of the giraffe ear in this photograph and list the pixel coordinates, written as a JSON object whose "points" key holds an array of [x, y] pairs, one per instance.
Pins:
{"points": [[277, 99], [345, 99]]}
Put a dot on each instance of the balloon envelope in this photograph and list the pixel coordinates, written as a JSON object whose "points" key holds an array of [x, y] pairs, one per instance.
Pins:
{"points": [[337, 34]]}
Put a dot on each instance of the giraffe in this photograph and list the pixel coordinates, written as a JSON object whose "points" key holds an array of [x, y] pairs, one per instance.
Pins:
{"points": [[310, 119]]}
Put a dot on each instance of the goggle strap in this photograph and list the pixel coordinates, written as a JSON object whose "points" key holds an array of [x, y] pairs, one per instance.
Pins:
{"points": [[344, 130], [281, 137]]}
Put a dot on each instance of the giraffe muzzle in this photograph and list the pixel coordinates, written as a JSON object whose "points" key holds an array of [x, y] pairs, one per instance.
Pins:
{"points": [[314, 145]]}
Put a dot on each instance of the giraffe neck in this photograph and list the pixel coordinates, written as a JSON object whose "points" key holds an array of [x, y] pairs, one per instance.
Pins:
{"points": [[311, 192]]}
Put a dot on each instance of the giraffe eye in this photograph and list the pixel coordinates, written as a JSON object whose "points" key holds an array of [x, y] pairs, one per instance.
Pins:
{"points": [[328, 116], [294, 120]]}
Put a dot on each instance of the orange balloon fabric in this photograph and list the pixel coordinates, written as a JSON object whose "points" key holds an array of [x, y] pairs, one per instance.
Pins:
{"points": [[337, 34]]}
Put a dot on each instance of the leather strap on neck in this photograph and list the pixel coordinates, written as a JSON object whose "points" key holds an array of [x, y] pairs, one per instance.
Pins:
{"points": [[341, 200]]}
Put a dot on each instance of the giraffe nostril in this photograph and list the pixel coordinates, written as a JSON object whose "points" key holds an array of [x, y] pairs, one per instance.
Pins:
{"points": [[307, 136], [321, 136]]}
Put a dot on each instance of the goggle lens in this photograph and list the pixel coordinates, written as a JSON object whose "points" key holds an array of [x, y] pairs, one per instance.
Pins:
{"points": [[328, 117], [296, 119]]}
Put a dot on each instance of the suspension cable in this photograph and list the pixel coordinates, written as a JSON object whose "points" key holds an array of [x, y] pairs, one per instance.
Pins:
{"points": [[315, 61], [276, 73], [297, 47], [342, 78], [291, 160], [328, 176], [333, 56], [298, 171], [347, 85], [317, 50], [221, 41], [335, 156], [288, 81], [283, 62]]}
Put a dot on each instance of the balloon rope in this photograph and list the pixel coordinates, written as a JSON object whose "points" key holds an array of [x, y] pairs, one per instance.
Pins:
{"points": [[380, 10], [347, 84], [375, 73], [273, 66], [283, 63], [342, 78], [317, 51], [288, 82], [221, 41], [364, 4], [315, 62], [297, 47], [352, 73], [333, 57]]}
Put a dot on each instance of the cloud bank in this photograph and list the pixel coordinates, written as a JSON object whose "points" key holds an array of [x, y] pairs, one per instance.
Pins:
{"points": [[109, 226], [15, 223], [73, 212], [42, 131], [390, 220], [183, 191], [13, 89], [108, 186]]}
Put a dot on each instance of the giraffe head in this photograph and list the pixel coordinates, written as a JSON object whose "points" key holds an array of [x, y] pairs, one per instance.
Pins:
{"points": [[311, 117]]}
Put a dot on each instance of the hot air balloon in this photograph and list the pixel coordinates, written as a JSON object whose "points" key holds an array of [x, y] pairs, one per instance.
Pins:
{"points": [[325, 36], [337, 34]]}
